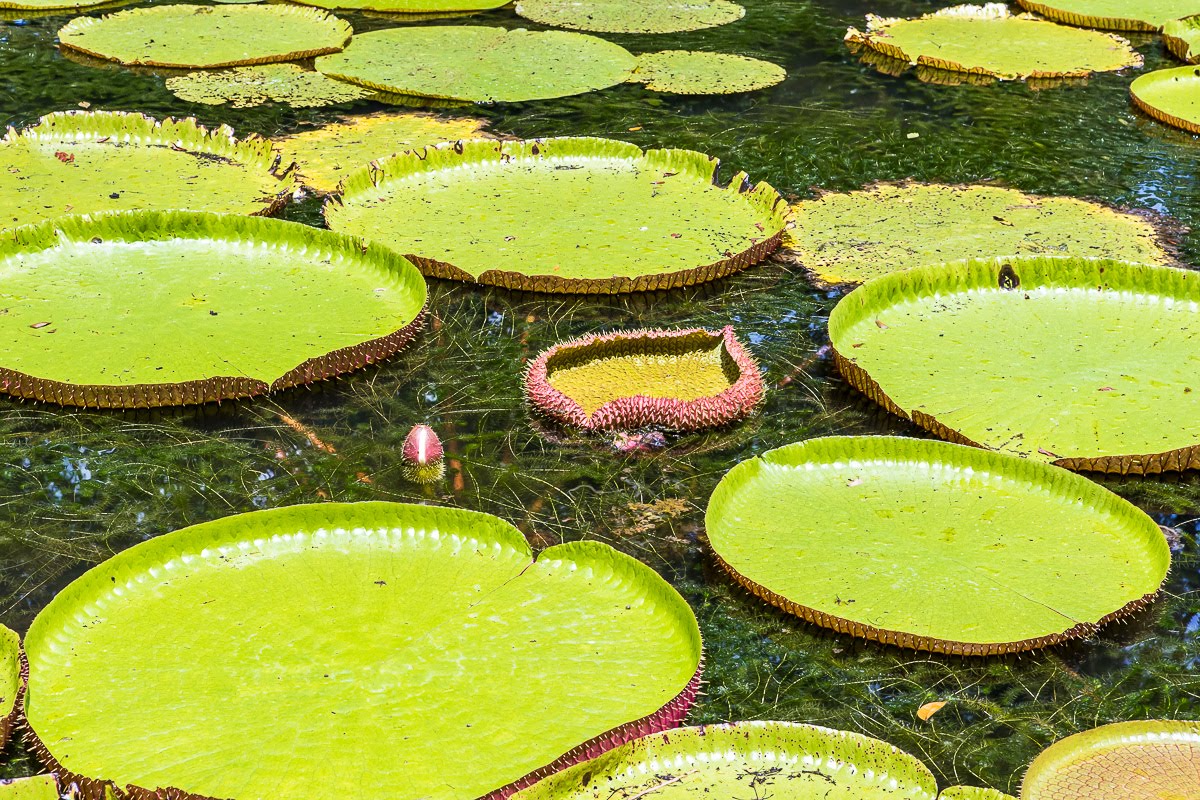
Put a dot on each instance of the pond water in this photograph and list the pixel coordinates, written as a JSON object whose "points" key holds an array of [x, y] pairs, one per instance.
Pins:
{"points": [[78, 487]]}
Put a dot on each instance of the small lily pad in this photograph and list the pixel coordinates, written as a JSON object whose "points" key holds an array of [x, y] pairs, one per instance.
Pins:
{"points": [[631, 16], [1171, 96], [1182, 38], [1120, 15], [692, 72], [243, 87], [38, 787], [990, 40], [206, 36]]}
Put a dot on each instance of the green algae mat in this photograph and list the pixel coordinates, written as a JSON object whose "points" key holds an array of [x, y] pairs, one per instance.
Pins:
{"points": [[745, 760], [991, 41], [1124, 15], [39, 787], [610, 217], [148, 309], [310, 651], [631, 16], [1089, 364], [1171, 96], [245, 87], [206, 36], [695, 72], [1143, 760], [932, 545], [850, 237]]}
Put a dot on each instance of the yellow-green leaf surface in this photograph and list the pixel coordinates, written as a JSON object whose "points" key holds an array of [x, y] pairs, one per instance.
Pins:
{"points": [[631, 16], [206, 36], [10, 682], [1125, 15], [608, 216], [80, 163], [39, 787], [1089, 363], [933, 545], [744, 760], [1143, 760], [317, 651], [440, 8], [243, 87], [1171, 96], [325, 155], [1182, 38], [694, 72], [990, 40], [973, 793], [480, 64], [52, 5], [143, 308], [850, 237]]}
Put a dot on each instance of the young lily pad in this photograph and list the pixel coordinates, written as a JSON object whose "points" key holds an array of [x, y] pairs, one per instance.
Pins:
{"points": [[1182, 38], [680, 380], [427, 9], [388, 645], [206, 36], [990, 40], [211, 306], [80, 163], [850, 237], [325, 155], [691, 72], [1144, 760], [609, 218], [243, 87], [11, 682], [1089, 364], [745, 760], [972, 793], [1170, 95], [932, 545], [39, 787], [480, 64], [631, 16], [1121, 15]]}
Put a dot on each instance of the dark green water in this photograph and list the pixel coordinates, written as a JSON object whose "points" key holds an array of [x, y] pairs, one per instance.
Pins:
{"points": [[78, 487]]}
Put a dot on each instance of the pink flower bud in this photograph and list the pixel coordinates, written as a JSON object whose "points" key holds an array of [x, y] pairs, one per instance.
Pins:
{"points": [[421, 447]]}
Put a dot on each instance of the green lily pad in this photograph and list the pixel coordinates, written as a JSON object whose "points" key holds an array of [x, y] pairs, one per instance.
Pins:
{"points": [[932, 545], [325, 155], [691, 72], [610, 218], [1182, 38], [990, 40], [243, 87], [81, 163], [206, 36], [1121, 15], [1144, 760], [631, 16], [39, 787], [850, 237], [11, 683], [1170, 95], [211, 306], [745, 760], [1089, 364], [428, 9], [52, 5], [973, 793], [388, 645], [479, 64]]}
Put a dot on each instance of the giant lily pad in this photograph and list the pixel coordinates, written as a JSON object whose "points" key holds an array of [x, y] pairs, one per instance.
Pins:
{"points": [[932, 545], [1170, 95], [1150, 760], [1182, 38], [149, 309], [973, 793], [38, 787], [562, 215], [480, 64], [1122, 15], [51, 5], [990, 40], [243, 87], [850, 237], [694, 72], [101, 161], [313, 651], [429, 9], [631, 16], [1090, 364], [11, 683], [206, 36], [745, 760]]}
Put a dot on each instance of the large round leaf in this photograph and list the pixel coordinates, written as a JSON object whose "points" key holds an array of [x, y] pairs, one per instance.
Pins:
{"points": [[206, 36], [149, 309], [933, 545], [973, 793], [244, 87], [745, 760], [566, 215], [697, 72], [434, 8], [631, 16], [1090, 364], [39, 787], [1171, 96], [329, 650], [479, 64], [1122, 15], [11, 683], [79, 163]]}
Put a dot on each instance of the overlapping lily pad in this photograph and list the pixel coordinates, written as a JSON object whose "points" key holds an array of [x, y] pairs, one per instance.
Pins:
{"points": [[80, 163], [562, 215], [973, 793], [480, 64], [1089, 364], [932, 545], [1171, 96], [244, 87], [11, 683], [631, 16], [1122, 15], [206, 36], [1182, 37], [850, 237], [745, 760], [39, 787], [990, 40], [1143, 760], [694, 72], [440, 8], [386, 645], [148, 309]]}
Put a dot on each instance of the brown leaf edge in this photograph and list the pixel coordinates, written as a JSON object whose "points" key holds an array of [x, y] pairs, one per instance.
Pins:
{"points": [[1087, 20]]}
